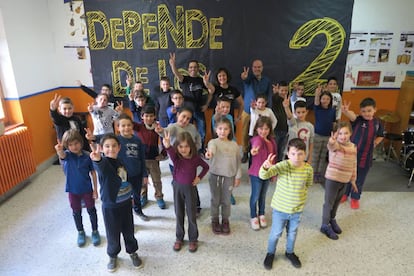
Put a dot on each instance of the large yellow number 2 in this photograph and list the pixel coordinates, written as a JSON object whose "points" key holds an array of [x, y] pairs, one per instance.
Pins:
{"points": [[335, 36]]}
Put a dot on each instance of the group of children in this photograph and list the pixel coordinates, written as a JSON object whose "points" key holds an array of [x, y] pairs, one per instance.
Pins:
{"points": [[124, 162]]}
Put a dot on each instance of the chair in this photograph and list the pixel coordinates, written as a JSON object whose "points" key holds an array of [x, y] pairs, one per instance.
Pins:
{"points": [[392, 137]]}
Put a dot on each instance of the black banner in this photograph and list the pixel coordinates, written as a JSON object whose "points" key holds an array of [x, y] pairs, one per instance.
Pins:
{"points": [[296, 40]]}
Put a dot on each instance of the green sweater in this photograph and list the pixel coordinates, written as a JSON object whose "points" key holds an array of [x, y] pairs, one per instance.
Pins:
{"points": [[292, 185]]}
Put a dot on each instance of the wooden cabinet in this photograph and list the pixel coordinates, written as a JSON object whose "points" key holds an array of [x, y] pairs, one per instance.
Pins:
{"points": [[405, 104]]}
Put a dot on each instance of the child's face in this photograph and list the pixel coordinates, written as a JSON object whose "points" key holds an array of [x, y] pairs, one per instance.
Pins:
{"points": [[105, 90], [296, 156], [125, 128], [325, 101], [183, 118], [263, 131], [222, 77], [301, 113], [261, 104], [148, 118], [184, 149], [367, 112], [344, 135], [75, 147], [177, 99], [332, 86], [140, 101], [138, 86], [193, 69], [111, 148], [283, 91], [102, 101], [223, 131], [66, 109], [224, 107], [165, 85], [300, 89]]}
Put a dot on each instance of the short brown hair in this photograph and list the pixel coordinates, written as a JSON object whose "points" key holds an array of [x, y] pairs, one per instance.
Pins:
{"points": [[70, 136]]}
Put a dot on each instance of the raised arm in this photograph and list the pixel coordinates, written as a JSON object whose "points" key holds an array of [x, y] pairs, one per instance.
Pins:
{"points": [[348, 113], [174, 69], [286, 105]]}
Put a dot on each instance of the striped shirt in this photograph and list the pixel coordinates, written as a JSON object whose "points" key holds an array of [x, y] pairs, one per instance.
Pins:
{"points": [[342, 165], [292, 185]]}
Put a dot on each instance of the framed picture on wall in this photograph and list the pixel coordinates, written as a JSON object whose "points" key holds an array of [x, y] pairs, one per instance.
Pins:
{"points": [[368, 78]]}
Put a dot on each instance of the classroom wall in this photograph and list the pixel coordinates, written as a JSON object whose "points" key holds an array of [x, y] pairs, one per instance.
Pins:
{"points": [[37, 66]]}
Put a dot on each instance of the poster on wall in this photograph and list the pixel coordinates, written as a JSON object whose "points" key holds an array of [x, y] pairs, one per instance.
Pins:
{"points": [[379, 47], [76, 39], [406, 47], [369, 78], [135, 38]]}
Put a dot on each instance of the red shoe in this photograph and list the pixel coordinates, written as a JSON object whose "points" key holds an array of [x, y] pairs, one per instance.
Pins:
{"points": [[354, 203], [344, 198]]}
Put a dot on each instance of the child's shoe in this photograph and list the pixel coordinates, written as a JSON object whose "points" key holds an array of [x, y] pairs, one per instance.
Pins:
{"points": [[215, 226], [161, 203], [111, 266], [177, 245], [96, 238], [225, 227], [327, 230], [354, 203], [81, 238], [293, 259], [268, 261], [232, 200], [141, 215], [193, 246], [254, 223], [144, 201], [136, 261], [335, 226], [344, 198], [263, 222]]}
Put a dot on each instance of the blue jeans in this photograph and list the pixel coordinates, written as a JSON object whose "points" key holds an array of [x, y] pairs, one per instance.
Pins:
{"points": [[279, 220], [200, 121], [258, 195], [281, 142]]}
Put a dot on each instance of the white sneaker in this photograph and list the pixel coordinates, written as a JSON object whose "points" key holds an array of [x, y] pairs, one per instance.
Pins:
{"points": [[254, 223], [263, 222]]}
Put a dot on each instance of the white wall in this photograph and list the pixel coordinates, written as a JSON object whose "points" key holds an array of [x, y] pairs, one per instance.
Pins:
{"points": [[384, 15]]}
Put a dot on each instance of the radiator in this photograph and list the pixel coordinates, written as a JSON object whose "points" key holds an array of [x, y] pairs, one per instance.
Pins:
{"points": [[16, 158]]}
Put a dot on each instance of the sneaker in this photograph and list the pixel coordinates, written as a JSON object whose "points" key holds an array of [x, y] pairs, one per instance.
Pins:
{"points": [[344, 198], [232, 200], [111, 266], [161, 203], [335, 226], [354, 203], [193, 246], [144, 201], [177, 245], [215, 226], [254, 223], [225, 227], [263, 222], [96, 238], [136, 261], [293, 259], [268, 261], [142, 216], [245, 157], [81, 238], [327, 230]]}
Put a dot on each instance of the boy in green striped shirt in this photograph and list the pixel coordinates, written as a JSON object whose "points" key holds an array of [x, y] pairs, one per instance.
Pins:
{"points": [[294, 176]]}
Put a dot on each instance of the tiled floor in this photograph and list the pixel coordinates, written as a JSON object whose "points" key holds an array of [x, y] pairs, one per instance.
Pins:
{"points": [[38, 237]]}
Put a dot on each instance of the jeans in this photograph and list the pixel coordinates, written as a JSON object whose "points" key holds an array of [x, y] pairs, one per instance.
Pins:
{"points": [[361, 175], [258, 195], [200, 121], [279, 220], [281, 142]]}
